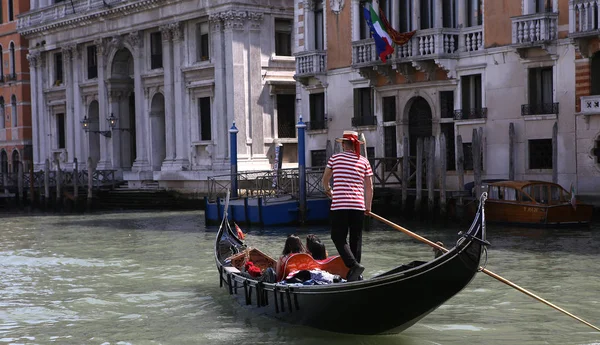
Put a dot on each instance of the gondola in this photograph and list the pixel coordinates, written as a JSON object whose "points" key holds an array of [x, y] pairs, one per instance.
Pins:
{"points": [[384, 304]]}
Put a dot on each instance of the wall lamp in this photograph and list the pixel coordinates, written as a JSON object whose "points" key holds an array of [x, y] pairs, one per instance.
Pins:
{"points": [[112, 123], [86, 127]]}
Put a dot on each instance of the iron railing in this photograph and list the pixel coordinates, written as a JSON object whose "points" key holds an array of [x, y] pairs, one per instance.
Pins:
{"points": [[469, 114], [539, 109], [364, 121]]}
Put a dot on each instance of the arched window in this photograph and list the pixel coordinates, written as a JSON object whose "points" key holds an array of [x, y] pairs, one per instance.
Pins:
{"points": [[3, 162], [3, 118], [11, 12], [595, 74], [13, 110], [15, 161], [13, 70], [1, 61]]}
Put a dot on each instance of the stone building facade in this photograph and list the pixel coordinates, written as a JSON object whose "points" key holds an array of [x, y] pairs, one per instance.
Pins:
{"points": [[150, 88], [15, 109], [485, 65]]}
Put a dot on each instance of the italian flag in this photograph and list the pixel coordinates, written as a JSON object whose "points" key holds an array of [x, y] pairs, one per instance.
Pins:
{"points": [[383, 41]]}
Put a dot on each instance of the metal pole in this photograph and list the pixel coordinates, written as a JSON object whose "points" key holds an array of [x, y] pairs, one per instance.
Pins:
{"points": [[301, 126], [233, 131]]}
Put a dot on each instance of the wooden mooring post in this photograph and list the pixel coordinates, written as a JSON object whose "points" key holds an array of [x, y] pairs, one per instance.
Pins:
{"points": [[20, 192], [431, 176], [47, 183], [511, 151], [75, 182], [443, 176], [555, 152], [476, 149], [460, 171], [419, 175], [90, 170], [405, 173], [31, 184], [58, 184]]}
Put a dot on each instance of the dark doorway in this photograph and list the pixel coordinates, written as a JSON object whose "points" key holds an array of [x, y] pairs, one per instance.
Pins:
{"points": [[15, 161], [595, 74], [419, 123], [286, 116], [132, 140], [3, 162]]}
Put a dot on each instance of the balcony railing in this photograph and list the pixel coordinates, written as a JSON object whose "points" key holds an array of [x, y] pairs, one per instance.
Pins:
{"points": [[590, 104], [470, 114], [311, 63], [364, 121], [584, 17], [532, 28], [429, 43], [539, 109], [314, 125]]}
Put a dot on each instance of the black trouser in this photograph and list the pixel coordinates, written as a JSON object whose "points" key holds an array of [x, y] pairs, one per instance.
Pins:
{"points": [[342, 222]]}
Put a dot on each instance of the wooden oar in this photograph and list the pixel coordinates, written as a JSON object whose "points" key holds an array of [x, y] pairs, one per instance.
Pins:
{"points": [[484, 270]]}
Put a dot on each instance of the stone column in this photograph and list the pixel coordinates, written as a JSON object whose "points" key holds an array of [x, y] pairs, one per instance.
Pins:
{"points": [[182, 124], [78, 138], [255, 131], [34, 59], [462, 12], [438, 15], [416, 18], [70, 83], [219, 105], [235, 57], [105, 161], [395, 15], [169, 97], [142, 142], [42, 112], [115, 99], [356, 8]]}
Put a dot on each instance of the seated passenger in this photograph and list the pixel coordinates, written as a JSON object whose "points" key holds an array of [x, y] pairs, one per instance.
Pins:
{"points": [[315, 247], [293, 245]]}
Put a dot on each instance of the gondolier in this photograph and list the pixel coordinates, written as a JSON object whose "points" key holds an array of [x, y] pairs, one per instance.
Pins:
{"points": [[351, 195]]}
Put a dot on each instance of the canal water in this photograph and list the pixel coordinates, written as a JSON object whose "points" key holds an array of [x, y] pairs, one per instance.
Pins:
{"points": [[150, 278]]}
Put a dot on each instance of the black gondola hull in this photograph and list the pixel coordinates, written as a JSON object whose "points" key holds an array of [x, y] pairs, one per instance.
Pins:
{"points": [[388, 303]]}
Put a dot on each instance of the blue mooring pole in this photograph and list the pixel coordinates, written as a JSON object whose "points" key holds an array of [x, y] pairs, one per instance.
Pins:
{"points": [[233, 131], [301, 126]]}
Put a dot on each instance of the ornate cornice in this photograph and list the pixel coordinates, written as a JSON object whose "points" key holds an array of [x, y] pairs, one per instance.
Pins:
{"points": [[215, 21], [26, 28]]}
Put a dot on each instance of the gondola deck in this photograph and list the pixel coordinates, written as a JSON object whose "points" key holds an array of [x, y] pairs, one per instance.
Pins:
{"points": [[387, 303]]}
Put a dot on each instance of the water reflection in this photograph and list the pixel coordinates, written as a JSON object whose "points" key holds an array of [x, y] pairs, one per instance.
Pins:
{"points": [[149, 278]]}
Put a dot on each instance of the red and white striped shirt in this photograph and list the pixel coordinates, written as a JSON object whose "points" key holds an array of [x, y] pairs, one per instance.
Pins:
{"points": [[349, 172]]}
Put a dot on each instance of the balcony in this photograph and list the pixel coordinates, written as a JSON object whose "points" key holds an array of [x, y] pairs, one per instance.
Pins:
{"points": [[584, 23], [364, 121], [12, 76], [590, 105], [539, 109], [310, 64], [470, 114], [427, 50], [535, 31]]}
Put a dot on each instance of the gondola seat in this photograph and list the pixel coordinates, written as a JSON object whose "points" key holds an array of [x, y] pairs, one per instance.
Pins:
{"points": [[303, 261]]}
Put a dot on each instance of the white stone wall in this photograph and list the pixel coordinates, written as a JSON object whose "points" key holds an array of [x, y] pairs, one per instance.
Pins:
{"points": [[241, 54]]}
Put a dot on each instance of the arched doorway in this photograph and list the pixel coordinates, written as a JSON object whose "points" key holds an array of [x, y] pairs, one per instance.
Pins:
{"points": [[157, 125], [123, 108], [419, 122], [93, 135], [15, 161], [3, 162]]}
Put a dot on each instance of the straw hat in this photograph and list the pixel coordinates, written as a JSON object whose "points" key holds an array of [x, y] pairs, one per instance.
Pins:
{"points": [[351, 136]]}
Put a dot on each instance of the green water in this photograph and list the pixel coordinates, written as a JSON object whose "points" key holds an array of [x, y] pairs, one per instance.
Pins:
{"points": [[150, 278]]}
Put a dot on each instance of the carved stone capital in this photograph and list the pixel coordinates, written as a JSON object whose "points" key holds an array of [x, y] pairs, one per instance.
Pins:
{"points": [[115, 96], [34, 59], [135, 39], [116, 42], [215, 21], [255, 20], [67, 52], [234, 19], [166, 32], [310, 5], [177, 31], [100, 46]]}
